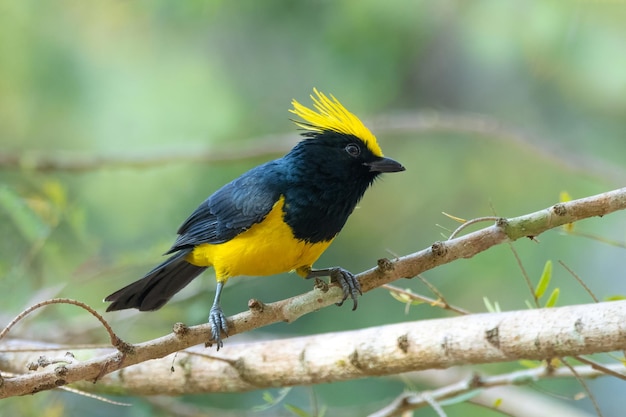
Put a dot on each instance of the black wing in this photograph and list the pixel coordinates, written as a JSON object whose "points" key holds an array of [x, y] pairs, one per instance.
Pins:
{"points": [[233, 208]]}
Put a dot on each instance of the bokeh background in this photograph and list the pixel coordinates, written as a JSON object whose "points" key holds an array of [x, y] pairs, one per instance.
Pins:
{"points": [[492, 106]]}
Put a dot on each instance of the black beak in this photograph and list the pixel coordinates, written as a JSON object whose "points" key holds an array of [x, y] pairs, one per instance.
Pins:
{"points": [[385, 165]]}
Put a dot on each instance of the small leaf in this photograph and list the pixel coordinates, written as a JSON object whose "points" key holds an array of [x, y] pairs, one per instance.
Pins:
{"points": [[55, 193], [456, 219], [461, 398], [405, 297], [491, 308], [268, 397], [297, 411], [544, 281], [527, 363], [488, 305], [30, 225], [568, 227], [270, 400], [54, 410], [497, 403], [554, 297], [554, 362], [615, 297]]}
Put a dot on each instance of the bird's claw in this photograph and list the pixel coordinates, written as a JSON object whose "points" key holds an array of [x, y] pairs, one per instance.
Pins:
{"points": [[217, 320], [349, 284]]}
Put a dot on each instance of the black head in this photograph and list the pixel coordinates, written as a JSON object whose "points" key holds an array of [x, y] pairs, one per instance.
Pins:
{"points": [[326, 175], [344, 158]]}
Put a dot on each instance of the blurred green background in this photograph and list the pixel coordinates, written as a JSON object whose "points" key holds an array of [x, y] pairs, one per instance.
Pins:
{"points": [[492, 106]]}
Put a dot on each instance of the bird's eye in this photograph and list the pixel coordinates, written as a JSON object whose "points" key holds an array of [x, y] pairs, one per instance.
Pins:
{"points": [[353, 150]]}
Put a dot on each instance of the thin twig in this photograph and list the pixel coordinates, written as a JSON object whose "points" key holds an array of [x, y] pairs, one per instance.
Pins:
{"points": [[600, 367], [433, 404], [600, 239], [524, 274], [582, 382], [437, 303], [409, 401], [413, 122], [432, 288], [115, 340], [580, 281], [471, 222], [76, 391]]}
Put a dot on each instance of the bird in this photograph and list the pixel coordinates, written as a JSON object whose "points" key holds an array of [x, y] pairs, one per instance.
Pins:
{"points": [[277, 217]]}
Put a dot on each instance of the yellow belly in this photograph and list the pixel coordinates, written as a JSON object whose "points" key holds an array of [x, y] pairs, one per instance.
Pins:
{"points": [[267, 248]]}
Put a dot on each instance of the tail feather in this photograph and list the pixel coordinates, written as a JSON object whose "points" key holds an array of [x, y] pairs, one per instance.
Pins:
{"points": [[157, 287]]}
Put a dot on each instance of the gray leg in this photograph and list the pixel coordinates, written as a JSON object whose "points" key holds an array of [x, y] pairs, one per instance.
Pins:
{"points": [[217, 320]]}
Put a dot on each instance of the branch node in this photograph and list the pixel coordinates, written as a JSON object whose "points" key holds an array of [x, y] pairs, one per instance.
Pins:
{"points": [[61, 371], [445, 345], [354, 359], [559, 209], [180, 329], [578, 325], [321, 285], [403, 343], [438, 249], [124, 347], [33, 366], [385, 265], [493, 337], [256, 306], [475, 381]]}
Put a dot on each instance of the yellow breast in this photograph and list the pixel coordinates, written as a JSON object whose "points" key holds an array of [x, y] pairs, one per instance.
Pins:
{"points": [[267, 248]]}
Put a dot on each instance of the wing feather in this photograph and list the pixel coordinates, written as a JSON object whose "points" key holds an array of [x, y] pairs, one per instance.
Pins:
{"points": [[233, 208]]}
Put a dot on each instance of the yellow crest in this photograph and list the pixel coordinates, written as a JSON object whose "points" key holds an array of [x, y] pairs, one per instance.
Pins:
{"points": [[332, 116]]}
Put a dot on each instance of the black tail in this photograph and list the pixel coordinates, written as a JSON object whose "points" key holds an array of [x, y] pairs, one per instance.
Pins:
{"points": [[158, 286]]}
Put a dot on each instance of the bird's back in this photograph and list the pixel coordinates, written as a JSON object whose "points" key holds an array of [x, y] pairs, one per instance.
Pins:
{"points": [[273, 219]]}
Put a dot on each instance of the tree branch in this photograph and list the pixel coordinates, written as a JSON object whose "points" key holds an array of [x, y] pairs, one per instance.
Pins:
{"points": [[572, 330], [414, 123], [502, 390], [384, 350], [85, 162]]}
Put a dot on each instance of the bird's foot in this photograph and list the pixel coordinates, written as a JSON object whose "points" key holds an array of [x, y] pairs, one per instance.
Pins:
{"points": [[217, 320], [349, 284]]}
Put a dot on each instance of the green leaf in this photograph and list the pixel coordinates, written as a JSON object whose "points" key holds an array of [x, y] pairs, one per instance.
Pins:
{"points": [[488, 305], [553, 298], [615, 297], [297, 411], [527, 363], [544, 281], [405, 297], [466, 396], [270, 400], [492, 308], [30, 225]]}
